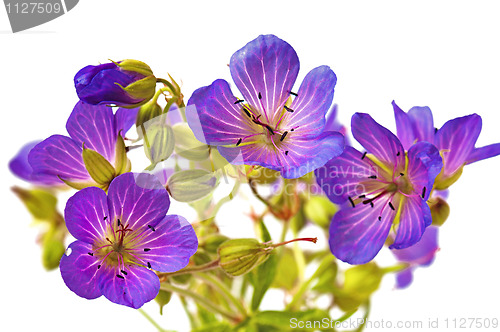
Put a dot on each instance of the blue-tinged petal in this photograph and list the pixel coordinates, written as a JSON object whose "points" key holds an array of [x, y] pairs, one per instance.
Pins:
{"points": [[424, 164], [484, 152], [267, 66], [332, 123], [213, 116], [404, 278], [61, 156], [357, 234], [124, 120], [423, 123], [20, 166], [93, 126], [252, 154], [348, 176], [86, 213], [306, 155], [137, 287], [456, 140], [170, 246], [314, 98], [138, 200], [378, 141], [422, 253], [414, 218], [79, 270], [404, 127]]}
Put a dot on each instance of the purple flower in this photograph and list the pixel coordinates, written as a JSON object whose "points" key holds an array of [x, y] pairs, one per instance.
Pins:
{"points": [[420, 254], [455, 140], [378, 189], [127, 83], [122, 238], [98, 129], [20, 166], [273, 126]]}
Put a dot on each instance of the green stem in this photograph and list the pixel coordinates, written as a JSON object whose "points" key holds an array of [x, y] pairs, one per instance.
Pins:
{"points": [[167, 83], [219, 286], [157, 94], [192, 269], [151, 320], [200, 300], [226, 199]]}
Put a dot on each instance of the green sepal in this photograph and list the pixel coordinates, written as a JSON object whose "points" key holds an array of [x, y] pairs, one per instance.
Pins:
{"points": [[100, 170], [135, 66], [442, 182], [40, 203], [52, 250], [142, 89], [81, 185], [191, 185], [240, 256], [122, 163], [147, 112]]}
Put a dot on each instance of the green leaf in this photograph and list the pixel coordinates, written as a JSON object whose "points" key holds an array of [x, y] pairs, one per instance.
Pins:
{"points": [[320, 210], [191, 185], [286, 272], [289, 321], [326, 280], [214, 327]]}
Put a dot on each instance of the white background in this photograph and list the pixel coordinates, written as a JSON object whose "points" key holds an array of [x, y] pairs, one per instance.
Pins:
{"points": [[444, 55]]}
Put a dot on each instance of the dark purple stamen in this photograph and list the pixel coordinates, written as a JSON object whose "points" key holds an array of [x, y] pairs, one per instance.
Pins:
{"points": [[118, 222], [91, 254], [435, 130], [119, 276], [402, 174], [149, 265], [288, 109], [239, 142], [362, 196], [372, 177], [371, 204], [364, 155], [238, 101], [283, 136], [379, 218], [392, 206], [124, 272], [247, 112], [423, 192], [260, 96], [147, 249], [398, 154], [292, 129], [270, 129], [286, 153], [352, 202], [293, 93], [151, 227], [106, 217], [98, 266]]}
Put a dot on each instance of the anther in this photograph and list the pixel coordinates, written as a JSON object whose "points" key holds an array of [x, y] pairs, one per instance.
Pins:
{"points": [[270, 129], [379, 218], [352, 202], [371, 204], [91, 254], [106, 217], [119, 276], [147, 249], [402, 174], [283, 136], [260, 96], [247, 112], [238, 101], [398, 154], [423, 192], [286, 153], [294, 94], [435, 130], [98, 266], [364, 155], [149, 265], [151, 227], [124, 272], [372, 177], [288, 109], [292, 129], [118, 222], [392, 206], [362, 196], [239, 142]]}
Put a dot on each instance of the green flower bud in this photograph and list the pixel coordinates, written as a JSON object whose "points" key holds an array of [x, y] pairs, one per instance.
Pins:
{"points": [[52, 250], [135, 66], [163, 298], [440, 210], [191, 185], [40, 203], [158, 138], [147, 112], [239, 256]]}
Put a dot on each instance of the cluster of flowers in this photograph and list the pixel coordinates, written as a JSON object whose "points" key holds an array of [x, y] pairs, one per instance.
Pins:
{"points": [[119, 220]]}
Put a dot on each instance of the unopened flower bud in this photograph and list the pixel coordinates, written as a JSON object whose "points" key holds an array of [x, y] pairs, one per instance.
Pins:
{"points": [[239, 256], [191, 185]]}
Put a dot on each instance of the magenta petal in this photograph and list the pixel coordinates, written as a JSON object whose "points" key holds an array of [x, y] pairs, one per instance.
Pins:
{"points": [[341, 177], [137, 199], [378, 140], [213, 116], [314, 98], [267, 66], [170, 246], [137, 287], [404, 127], [124, 120], [415, 217], [20, 166], [456, 139], [79, 270], [357, 234], [93, 126], [85, 214], [422, 253], [61, 156], [423, 123], [404, 278], [484, 152]]}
